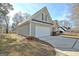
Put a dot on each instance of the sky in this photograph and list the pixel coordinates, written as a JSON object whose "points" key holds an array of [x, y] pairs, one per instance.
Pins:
{"points": [[58, 11]]}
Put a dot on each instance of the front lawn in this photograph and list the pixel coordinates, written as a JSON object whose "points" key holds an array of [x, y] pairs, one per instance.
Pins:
{"points": [[16, 45]]}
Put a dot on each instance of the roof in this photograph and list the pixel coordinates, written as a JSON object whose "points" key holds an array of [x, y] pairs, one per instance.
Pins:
{"points": [[30, 18]]}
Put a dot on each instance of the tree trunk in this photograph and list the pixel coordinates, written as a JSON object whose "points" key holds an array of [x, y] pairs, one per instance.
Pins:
{"points": [[7, 29], [7, 23]]}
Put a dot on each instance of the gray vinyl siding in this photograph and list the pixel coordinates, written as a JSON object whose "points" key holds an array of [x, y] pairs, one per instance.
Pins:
{"points": [[42, 15], [24, 30], [34, 25]]}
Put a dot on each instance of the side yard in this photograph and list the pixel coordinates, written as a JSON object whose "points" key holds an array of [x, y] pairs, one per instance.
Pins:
{"points": [[16, 45]]}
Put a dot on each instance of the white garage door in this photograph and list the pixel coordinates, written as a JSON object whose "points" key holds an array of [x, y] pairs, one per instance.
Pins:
{"points": [[42, 31]]}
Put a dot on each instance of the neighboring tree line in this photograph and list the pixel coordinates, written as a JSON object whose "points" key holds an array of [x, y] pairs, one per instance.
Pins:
{"points": [[4, 18], [74, 10], [19, 17]]}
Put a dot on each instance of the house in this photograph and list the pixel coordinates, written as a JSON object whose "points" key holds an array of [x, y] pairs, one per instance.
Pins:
{"points": [[38, 25], [59, 27]]}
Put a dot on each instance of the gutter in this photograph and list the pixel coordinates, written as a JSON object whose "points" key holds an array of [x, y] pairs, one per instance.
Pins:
{"points": [[42, 22]]}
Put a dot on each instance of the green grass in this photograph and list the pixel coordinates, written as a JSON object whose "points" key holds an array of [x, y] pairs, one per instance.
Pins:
{"points": [[16, 45]]}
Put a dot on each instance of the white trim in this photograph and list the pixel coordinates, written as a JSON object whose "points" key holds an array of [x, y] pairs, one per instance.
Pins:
{"points": [[30, 29]]}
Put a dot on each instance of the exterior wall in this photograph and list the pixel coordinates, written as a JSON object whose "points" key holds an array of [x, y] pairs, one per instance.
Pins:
{"points": [[28, 28], [38, 15], [23, 30], [34, 24]]}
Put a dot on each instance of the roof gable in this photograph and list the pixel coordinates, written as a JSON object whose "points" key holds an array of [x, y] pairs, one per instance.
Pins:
{"points": [[38, 16]]}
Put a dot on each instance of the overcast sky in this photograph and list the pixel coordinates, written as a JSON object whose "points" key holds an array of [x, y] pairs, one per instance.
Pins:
{"points": [[57, 11]]}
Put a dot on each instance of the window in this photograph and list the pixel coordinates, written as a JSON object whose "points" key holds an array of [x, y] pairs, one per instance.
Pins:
{"points": [[42, 16]]}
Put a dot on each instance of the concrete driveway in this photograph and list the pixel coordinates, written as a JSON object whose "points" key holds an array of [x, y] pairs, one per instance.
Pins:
{"points": [[64, 45], [60, 42]]}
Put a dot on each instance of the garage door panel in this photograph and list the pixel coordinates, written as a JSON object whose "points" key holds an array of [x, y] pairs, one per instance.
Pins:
{"points": [[42, 31]]}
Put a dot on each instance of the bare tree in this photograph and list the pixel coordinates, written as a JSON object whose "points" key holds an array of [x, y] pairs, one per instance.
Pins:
{"points": [[74, 16], [74, 10], [19, 17], [4, 10]]}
